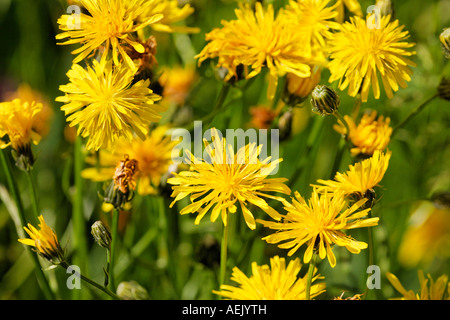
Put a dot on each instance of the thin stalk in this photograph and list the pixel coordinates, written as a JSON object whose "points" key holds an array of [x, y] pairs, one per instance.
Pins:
{"points": [[65, 265], [42, 280], [33, 193], [312, 265], [412, 114], [77, 215], [222, 96], [112, 256], [223, 254], [371, 252]]}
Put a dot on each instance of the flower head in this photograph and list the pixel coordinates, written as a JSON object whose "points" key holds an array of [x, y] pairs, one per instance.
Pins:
{"points": [[314, 18], [172, 13], [359, 55], [370, 134], [257, 39], [319, 223], [108, 26], [18, 121], [226, 179], [154, 155], [44, 241], [429, 290], [297, 89], [274, 282], [360, 178], [105, 104]]}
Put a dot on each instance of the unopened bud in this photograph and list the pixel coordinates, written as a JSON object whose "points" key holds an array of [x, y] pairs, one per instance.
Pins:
{"points": [[297, 89], [445, 42], [441, 200], [444, 89], [285, 124], [325, 100], [101, 234], [131, 290], [386, 8]]}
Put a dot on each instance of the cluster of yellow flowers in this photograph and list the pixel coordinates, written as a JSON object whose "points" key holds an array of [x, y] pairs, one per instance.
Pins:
{"points": [[110, 102]]}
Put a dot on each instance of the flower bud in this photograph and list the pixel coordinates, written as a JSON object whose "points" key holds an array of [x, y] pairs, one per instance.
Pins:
{"points": [[445, 42], [101, 234], [386, 8], [444, 89], [441, 200], [285, 124], [297, 89], [325, 100], [131, 290]]}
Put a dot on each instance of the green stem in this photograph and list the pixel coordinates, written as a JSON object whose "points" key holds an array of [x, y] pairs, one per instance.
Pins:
{"points": [[33, 193], [347, 128], [312, 265], [222, 96], [42, 280], [371, 253], [65, 265], [80, 235], [114, 236], [223, 254], [412, 114]]}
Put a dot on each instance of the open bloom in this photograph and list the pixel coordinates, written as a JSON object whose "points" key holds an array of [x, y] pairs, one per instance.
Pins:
{"points": [[44, 241], [105, 104], [429, 290], [256, 39], [319, 223], [359, 55], [314, 18], [370, 134], [154, 155], [18, 124], [108, 26], [227, 179], [172, 13], [360, 178], [274, 282]]}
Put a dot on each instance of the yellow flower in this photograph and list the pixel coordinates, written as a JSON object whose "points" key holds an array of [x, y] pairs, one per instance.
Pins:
{"points": [[426, 237], [352, 5], [355, 297], [370, 134], [18, 121], [227, 179], [314, 18], [109, 26], [429, 290], [44, 241], [172, 13], [301, 87], [359, 53], [25, 93], [360, 178], [154, 155], [259, 39], [319, 224], [177, 83], [105, 104], [274, 282]]}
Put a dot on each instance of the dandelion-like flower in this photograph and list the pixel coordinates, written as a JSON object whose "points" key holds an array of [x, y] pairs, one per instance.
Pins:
{"points": [[314, 18], [319, 223], [361, 177], [429, 290], [257, 39], [172, 13], [105, 104], [109, 27], [18, 124], [274, 282], [228, 179], [45, 241], [359, 55], [370, 134], [154, 155]]}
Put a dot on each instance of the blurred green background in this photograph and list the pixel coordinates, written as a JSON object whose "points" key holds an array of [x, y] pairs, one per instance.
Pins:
{"points": [[186, 266]]}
